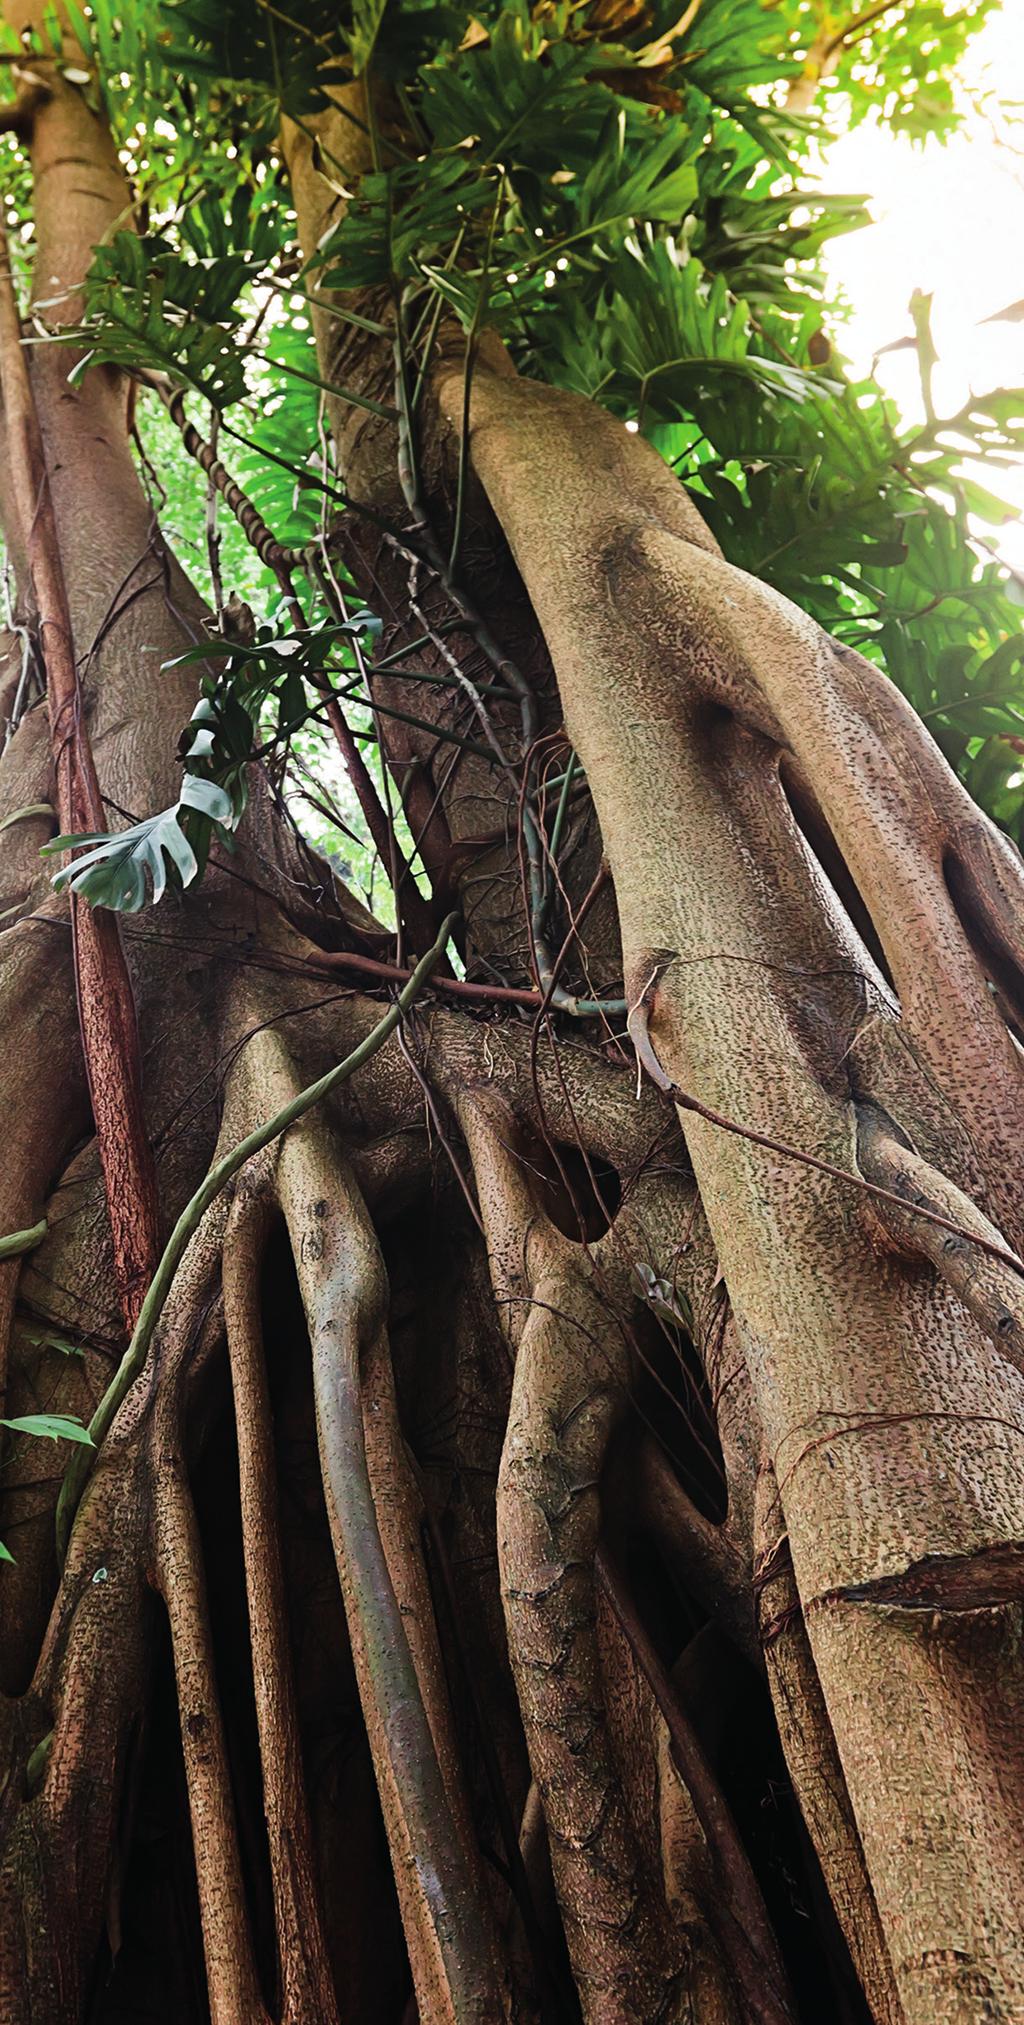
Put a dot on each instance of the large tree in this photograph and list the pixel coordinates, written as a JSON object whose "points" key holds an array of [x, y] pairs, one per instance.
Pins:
{"points": [[548, 1541]]}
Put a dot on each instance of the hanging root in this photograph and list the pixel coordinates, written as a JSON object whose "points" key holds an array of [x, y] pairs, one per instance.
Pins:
{"points": [[568, 1313], [813, 1761], [106, 1003], [135, 1529], [134, 1513], [307, 1992]]}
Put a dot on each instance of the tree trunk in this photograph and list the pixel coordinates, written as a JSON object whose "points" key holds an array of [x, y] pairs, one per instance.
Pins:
{"points": [[533, 1477]]}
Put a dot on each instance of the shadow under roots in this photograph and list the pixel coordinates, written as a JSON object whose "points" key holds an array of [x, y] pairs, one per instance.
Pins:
{"points": [[579, 1193], [730, 1708], [830, 862], [724, 1697], [151, 1962], [153, 1966], [670, 1395]]}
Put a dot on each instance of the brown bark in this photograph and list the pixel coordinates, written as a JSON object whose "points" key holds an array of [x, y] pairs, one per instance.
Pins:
{"points": [[334, 1382], [106, 1006], [877, 1445]]}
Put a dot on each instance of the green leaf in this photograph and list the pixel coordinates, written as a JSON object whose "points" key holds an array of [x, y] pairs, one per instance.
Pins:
{"points": [[114, 872], [54, 1426], [148, 307], [638, 173], [399, 218]]}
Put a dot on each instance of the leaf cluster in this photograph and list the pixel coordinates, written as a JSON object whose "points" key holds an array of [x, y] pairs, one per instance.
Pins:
{"points": [[249, 689]]}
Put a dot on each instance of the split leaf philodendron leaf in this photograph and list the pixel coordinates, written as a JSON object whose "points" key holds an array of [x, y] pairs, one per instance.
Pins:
{"points": [[114, 872], [123, 869]]}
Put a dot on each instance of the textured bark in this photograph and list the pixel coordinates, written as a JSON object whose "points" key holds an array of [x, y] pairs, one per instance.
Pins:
{"points": [[682, 681], [106, 1007], [500, 1448]]}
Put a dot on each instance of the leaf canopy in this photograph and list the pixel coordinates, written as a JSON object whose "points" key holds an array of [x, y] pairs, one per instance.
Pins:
{"points": [[628, 193]]}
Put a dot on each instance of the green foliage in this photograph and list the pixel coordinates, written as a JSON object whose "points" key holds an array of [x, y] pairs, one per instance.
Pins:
{"points": [[622, 190], [50, 1426], [126, 868], [289, 58], [902, 64], [158, 312], [733, 45]]}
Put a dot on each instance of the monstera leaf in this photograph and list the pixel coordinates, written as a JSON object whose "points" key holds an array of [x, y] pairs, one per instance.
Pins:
{"points": [[119, 869]]}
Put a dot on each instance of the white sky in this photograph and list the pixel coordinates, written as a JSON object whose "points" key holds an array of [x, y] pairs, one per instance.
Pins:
{"points": [[948, 219]]}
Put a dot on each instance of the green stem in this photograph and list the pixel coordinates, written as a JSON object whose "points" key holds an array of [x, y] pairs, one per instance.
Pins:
{"points": [[29, 814], [133, 1361], [22, 1240]]}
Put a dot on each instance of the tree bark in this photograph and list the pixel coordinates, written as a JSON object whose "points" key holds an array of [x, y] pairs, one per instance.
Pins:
{"points": [[448, 1737]]}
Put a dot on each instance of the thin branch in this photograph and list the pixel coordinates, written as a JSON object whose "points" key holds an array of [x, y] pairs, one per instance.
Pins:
{"points": [[455, 987], [859, 26]]}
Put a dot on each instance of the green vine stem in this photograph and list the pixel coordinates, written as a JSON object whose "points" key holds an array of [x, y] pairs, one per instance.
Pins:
{"points": [[18, 1241]]}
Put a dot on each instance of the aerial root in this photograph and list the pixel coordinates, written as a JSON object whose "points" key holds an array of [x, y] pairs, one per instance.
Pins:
{"points": [[180, 1578], [567, 1314], [307, 1991], [812, 1759], [990, 1289], [449, 1930], [227, 1940], [136, 1520]]}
